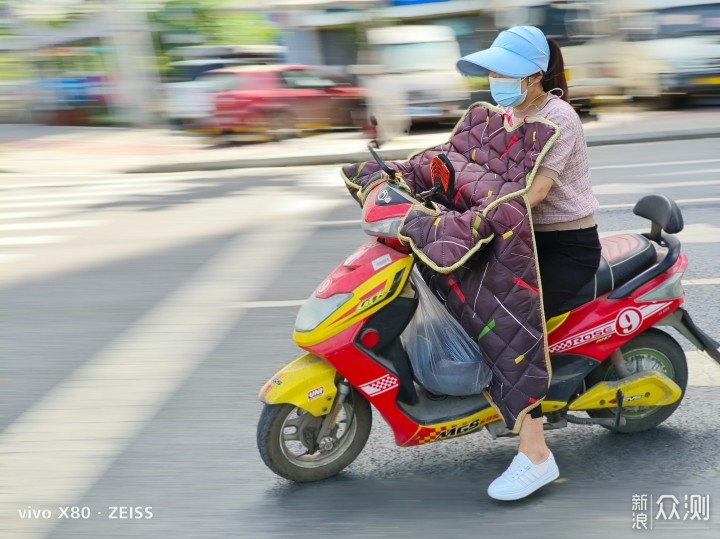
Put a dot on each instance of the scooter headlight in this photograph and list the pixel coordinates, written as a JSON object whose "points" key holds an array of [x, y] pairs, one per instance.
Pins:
{"points": [[316, 310]]}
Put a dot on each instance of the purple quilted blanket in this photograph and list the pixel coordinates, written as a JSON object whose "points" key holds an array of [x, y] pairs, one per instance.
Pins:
{"points": [[477, 249]]}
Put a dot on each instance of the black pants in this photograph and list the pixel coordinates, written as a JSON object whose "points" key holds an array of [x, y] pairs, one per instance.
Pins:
{"points": [[568, 261]]}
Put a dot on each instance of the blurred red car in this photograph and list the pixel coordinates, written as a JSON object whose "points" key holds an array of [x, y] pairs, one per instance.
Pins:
{"points": [[278, 101]]}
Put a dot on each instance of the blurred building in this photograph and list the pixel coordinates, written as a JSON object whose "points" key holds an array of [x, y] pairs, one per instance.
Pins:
{"points": [[100, 64], [402, 51], [331, 32]]}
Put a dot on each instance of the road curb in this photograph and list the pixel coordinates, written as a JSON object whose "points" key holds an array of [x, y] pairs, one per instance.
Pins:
{"points": [[397, 154], [272, 162]]}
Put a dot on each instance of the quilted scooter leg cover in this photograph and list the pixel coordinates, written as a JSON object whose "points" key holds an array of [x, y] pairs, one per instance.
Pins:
{"points": [[477, 249]]}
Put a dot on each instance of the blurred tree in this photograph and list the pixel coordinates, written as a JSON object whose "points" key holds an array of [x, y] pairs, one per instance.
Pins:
{"points": [[195, 22], [53, 13], [6, 22]]}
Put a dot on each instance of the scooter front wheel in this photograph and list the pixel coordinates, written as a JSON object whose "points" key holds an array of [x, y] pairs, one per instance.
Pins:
{"points": [[287, 439]]}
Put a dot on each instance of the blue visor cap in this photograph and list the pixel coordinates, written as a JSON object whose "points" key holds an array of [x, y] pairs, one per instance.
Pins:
{"points": [[520, 51]]}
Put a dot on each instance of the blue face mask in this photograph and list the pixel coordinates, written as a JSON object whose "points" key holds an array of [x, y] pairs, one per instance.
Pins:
{"points": [[507, 92]]}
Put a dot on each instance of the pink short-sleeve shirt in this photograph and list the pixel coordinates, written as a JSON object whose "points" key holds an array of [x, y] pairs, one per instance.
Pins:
{"points": [[571, 197]]}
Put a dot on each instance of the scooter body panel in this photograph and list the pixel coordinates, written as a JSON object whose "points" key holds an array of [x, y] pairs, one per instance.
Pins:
{"points": [[373, 276], [600, 327], [308, 383]]}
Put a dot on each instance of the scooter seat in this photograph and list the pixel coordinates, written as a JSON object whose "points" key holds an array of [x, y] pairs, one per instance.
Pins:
{"points": [[623, 257]]}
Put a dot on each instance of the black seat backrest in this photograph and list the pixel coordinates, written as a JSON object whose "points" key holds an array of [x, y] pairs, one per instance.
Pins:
{"points": [[662, 211]]}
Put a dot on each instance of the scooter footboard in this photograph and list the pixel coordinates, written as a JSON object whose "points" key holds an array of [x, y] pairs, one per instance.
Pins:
{"points": [[308, 383]]}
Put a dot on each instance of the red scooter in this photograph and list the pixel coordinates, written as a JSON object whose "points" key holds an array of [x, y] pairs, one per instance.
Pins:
{"points": [[317, 413]]}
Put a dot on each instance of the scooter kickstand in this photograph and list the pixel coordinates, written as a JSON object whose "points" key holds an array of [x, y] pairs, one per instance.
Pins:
{"points": [[619, 396]]}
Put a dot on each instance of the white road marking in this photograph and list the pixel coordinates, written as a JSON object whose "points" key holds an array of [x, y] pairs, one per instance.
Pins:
{"points": [[58, 448], [702, 369], [655, 164], [31, 240], [638, 188], [47, 225], [6, 258], [189, 176], [120, 181], [676, 173], [679, 202], [695, 233], [270, 304], [701, 282], [59, 204], [10, 216], [38, 199], [335, 223]]}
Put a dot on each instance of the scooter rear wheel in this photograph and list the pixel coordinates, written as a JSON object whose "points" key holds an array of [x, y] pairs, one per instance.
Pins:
{"points": [[288, 444], [652, 350]]}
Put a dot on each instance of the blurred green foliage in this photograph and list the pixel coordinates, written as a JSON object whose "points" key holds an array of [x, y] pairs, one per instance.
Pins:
{"points": [[206, 22], [475, 84], [13, 68]]}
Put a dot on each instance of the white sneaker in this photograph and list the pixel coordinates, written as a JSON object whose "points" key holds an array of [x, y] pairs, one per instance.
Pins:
{"points": [[523, 477]]}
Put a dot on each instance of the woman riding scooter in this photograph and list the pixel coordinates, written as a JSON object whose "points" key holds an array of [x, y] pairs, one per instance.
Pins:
{"points": [[524, 69]]}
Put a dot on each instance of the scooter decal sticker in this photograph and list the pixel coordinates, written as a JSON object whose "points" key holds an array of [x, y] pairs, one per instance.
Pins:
{"points": [[381, 262], [315, 393], [444, 432], [324, 286], [591, 335], [366, 304], [653, 308], [627, 321], [380, 385]]}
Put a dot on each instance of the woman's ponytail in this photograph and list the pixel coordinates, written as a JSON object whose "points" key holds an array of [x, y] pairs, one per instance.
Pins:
{"points": [[555, 75]]}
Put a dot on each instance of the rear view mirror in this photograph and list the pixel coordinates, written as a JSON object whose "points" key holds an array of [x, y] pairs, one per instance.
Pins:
{"points": [[374, 123], [442, 174]]}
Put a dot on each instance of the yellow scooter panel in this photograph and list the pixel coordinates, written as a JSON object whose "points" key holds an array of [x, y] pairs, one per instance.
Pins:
{"points": [[369, 297], [308, 383], [556, 322], [647, 388]]}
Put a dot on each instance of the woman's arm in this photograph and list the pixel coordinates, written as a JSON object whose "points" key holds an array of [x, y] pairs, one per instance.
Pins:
{"points": [[539, 189]]}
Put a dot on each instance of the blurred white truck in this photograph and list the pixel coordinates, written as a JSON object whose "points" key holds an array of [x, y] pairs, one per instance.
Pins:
{"points": [[672, 49], [411, 75], [657, 50]]}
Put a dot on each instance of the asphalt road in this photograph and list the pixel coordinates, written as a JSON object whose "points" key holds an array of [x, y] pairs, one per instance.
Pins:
{"points": [[141, 315]]}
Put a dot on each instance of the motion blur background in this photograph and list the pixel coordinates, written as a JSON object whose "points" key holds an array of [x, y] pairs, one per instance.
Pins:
{"points": [[150, 274], [194, 64]]}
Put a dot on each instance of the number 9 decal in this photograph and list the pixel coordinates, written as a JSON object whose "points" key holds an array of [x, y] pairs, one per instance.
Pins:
{"points": [[628, 321]]}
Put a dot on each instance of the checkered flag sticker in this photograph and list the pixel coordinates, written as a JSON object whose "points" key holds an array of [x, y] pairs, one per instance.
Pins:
{"points": [[380, 385]]}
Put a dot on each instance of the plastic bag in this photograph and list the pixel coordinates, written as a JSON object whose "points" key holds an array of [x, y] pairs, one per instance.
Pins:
{"points": [[444, 359]]}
